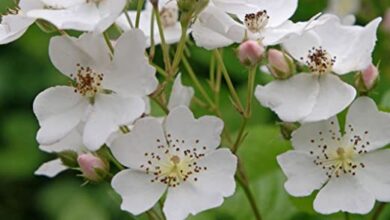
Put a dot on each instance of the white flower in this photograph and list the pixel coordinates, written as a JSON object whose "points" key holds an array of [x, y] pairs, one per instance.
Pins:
{"points": [[169, 14], [16, 23], [181, 95], [179, 155], [321, 94], [81, 15], [350, 171], [257, 20], [105, 94], [71, 142]]}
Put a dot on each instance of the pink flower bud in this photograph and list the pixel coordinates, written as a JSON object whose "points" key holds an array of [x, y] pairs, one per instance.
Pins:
{"points": [[370, 76], [250, 52], [92, 167], [280, 64]]}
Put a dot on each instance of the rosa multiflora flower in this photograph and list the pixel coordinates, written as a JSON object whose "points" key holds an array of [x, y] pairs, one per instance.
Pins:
{"points": [[179, 156], [169, 14], [320, 94], [265, 21], [350, 170], [81, 15], [105, 93]]}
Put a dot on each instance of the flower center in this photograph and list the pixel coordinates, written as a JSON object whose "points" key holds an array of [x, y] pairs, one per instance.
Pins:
{"points": [[343, 159], [256, 22], [171, 165], [320, 61], [87, 82], [169, 16]]}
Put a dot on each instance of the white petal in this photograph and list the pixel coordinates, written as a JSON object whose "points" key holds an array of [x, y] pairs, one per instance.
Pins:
{"points": [[353, 47], [84, 16], [59, 110], [12, 27], [374, 174], [146, 136], [279, 11], [51, 168], [27, 5], [344, 194], [310, 135], [181, 95], [89, 50], [219, 176], [108, 114], [334, 96], [292, 99], [137, 192], [364, 116], [211, 29], [187, 199], [299, 46], [109, 11], [197, 133], [73, 141], [135, 76], [303, 175]]}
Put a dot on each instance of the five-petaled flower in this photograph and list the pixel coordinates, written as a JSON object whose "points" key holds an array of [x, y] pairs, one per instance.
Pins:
{"points": [[105, 93], [320, 94], [350, 171], [179, 155]]}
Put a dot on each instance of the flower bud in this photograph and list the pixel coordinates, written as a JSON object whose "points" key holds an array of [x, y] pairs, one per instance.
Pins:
{"points": [[93, 167], [367, 79], [280, 64], [250, 53]]}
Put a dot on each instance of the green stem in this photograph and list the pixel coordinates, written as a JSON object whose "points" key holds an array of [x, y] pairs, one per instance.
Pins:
{"points": [[115, 162], [108, 42], [164, 45], [152, 41], [198, 85], [229, 83], [251, 86], [378, 211], [180, 49], [240, 135], [346, 216], [129, 19], [245, 186], [139, 9]]}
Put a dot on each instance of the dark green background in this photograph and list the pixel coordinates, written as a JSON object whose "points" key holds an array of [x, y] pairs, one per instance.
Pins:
{"points": [[25, 70]]}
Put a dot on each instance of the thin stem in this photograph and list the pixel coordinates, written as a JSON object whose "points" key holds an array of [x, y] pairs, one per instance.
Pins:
{"points": [[378, 211], [251, 86], [229, 83], [245, 186], [152, 215], [240, 135], [128, 18], [180, 49], [139, 9], [152, 41], [115, 162], [159, 69], [346, 216], [193, 77], [108, 42], [164, 45]]}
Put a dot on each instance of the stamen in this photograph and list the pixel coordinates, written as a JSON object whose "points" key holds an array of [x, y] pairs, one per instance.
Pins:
{"points": [[256, 22], [87, 82], [319, 61]]}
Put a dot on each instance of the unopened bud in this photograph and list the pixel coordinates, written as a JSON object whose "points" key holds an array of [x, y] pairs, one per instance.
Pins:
{"points": [[280, 64], [367, 79], [93, 168], [250, 53]]}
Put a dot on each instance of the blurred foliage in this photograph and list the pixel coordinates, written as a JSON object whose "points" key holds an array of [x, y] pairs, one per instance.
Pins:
{"points": [[25, 70]]}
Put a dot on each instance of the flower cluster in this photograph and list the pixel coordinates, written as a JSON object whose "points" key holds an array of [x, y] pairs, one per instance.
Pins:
{"points": [[102, 123]]}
